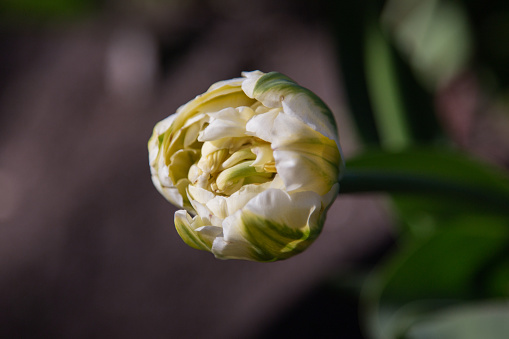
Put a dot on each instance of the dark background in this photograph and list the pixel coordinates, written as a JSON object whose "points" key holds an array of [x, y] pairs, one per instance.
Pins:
{"points": [[87, 245]]}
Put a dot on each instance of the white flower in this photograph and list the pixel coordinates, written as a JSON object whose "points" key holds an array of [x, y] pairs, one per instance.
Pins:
{"points": [[254, 162]]}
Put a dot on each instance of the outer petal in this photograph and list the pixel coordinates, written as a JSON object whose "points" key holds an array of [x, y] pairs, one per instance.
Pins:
{"points": [[186, 227], [272, 226], [249, 82], [305, 159], [227, 94], [241, 249], [154, 143], [277, 90]]}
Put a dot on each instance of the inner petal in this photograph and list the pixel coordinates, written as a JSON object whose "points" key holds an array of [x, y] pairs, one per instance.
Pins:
{"points": [[228, 122]]}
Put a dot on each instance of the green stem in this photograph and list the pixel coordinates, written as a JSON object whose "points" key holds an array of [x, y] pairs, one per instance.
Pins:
{"points": [[363, 181]]}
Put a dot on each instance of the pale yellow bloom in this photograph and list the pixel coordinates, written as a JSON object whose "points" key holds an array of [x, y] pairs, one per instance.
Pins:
{"points": [[254, 164]]}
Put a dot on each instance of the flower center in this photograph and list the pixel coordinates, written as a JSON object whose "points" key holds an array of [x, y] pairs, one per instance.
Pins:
{"points": [[227, 164]]}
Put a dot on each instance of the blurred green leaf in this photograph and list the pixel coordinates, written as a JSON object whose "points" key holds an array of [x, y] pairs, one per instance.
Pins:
{"points": [[425, 276], [433, 34], [348, 20], [444, 265], [33, 11], [388, 103], [457, 208], [481, 320], [384, 89], [497, 276]]}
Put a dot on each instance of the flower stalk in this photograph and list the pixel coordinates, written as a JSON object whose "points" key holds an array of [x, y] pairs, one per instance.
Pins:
{"points": [[363, 180]]}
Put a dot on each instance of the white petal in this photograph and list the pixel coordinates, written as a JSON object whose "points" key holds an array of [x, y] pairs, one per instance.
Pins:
{"points": [[195, 119], [191, 133], [163, 175], [273, 225], [305, 159], [261, 125], [305, 173], [186, 226], [153, 143], [293, 210], [174, 194], [218, 206], [163, 125], [232, 227], [199, 194], [235, 82], [240, 198], [249, 82], [329, 198], [239, 115], [228, 122], [223, 249], [221, 129], [277, 182], [209, 233], [211, 101], [208, 148], [301, 107], [263, 156], [276, 90], [180, 163], [205, 214]]}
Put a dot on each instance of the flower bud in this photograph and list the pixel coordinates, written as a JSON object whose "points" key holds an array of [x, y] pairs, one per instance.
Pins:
{"points": [[254, 164]]}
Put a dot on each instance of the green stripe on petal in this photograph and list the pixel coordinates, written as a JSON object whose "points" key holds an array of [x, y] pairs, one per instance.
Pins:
{"points": [[229, 178], [309, 173], [275, 241], [305, 159], [276, 225], [184, 226], [273, 88]]}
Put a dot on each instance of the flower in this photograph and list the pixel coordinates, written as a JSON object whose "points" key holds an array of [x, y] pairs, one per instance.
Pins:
{"points": [[254, 162]]}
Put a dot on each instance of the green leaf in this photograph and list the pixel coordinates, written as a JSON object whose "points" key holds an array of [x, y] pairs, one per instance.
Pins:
{"points": [[441, 266], [433, 35], [457, 263], [385, 94], [32, 11], [481, 320], [348, 22]]}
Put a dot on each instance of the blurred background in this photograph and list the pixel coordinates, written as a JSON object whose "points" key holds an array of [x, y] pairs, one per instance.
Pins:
{"points": [[87, 245]]}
